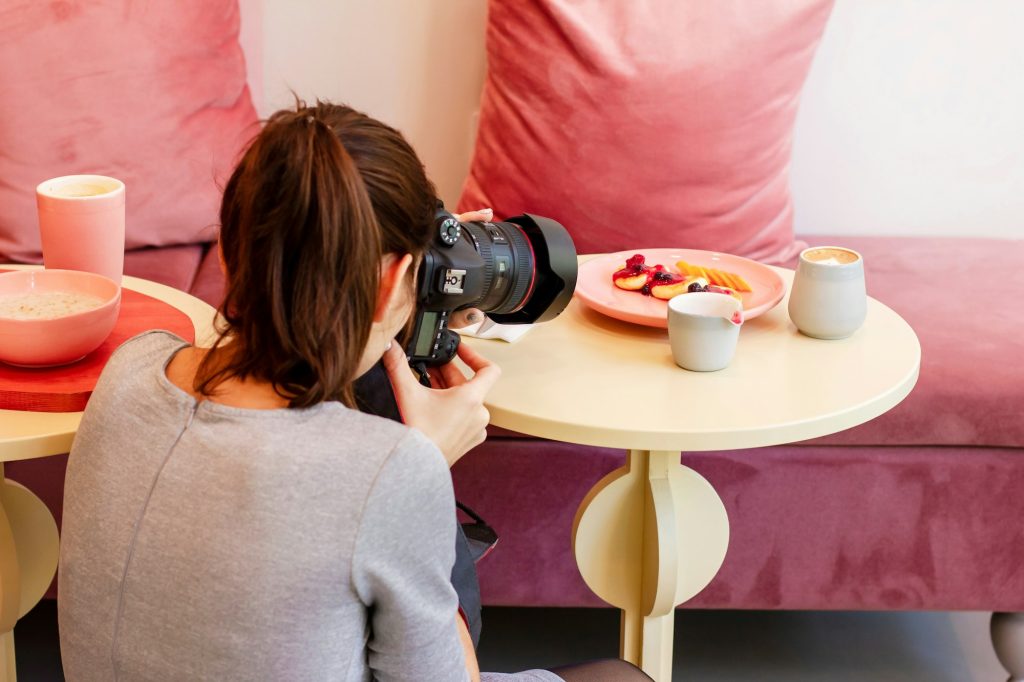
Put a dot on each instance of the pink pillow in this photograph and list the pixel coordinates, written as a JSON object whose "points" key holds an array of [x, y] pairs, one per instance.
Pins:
{"points": [[646, 123], [153, 93]]}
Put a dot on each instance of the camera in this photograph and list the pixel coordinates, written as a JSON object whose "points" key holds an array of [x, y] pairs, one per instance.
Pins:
{"points": [[518, 271]]}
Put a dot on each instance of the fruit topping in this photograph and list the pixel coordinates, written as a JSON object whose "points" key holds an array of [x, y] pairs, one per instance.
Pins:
{"points": [[657, 281], [635, 276], [716, 277]]}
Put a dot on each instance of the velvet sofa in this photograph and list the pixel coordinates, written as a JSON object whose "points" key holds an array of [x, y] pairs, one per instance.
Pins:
{"points": [[917, 509], [638, 136]]}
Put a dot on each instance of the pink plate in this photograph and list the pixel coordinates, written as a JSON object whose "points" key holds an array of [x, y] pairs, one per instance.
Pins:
{"points": [[595, 288]]}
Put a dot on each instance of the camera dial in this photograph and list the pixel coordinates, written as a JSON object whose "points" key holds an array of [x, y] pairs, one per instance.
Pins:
{"points": [[449, 231]]}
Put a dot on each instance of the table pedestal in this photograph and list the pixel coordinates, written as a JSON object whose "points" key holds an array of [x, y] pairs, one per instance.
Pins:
{"points": [[648, 537], [28, 560]]}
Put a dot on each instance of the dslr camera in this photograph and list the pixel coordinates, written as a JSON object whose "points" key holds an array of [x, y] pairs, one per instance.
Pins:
{"points": [[518, 271]]}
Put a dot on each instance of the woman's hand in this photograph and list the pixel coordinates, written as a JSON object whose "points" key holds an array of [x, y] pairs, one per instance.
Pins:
{"points": [[484, 215], [454, 417]]}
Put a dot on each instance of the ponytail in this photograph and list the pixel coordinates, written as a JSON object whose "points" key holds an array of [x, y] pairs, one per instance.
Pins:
{"points": [[317, 200]]}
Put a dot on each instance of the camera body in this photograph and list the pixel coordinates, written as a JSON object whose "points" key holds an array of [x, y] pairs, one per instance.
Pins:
{"points": [[519, 271]]}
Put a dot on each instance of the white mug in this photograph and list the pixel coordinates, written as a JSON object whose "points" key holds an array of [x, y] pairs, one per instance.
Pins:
{"points": [[828, 299], [703, 329]]}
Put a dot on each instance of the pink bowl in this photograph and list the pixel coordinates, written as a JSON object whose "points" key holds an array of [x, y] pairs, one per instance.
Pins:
{"points": [[59, 340]]}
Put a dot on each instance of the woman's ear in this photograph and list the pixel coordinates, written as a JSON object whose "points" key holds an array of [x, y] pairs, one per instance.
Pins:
{"points": [[220, 259], [393, 276]]}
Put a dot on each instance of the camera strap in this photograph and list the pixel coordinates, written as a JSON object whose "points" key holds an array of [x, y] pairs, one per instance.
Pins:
{"points": [[420, 368]]}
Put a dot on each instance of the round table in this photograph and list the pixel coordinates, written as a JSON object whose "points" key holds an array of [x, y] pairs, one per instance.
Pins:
{"points": [[28, 532], [651, 535]]}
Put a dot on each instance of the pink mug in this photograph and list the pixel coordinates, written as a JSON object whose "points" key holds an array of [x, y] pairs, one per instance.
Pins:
{"points": [[81, 224]]}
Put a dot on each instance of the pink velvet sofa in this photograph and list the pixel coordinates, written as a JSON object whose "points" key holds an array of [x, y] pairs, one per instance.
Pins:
{"points": [[918, 509], [640, 136]]}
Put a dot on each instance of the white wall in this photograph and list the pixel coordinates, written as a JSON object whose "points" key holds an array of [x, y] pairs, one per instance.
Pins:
{"points": [[416, 64], [912, 121]]}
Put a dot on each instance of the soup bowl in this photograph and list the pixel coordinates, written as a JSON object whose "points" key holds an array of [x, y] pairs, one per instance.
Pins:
{"points": [[41, 328]]}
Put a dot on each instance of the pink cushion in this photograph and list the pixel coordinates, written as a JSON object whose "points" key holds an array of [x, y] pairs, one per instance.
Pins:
{"points": [[175, 266], [152, 93], [646, 123], [962, 297], [209, 282]]}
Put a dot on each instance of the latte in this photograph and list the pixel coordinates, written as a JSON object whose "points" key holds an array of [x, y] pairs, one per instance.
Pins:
{"points": [[831, 256]]}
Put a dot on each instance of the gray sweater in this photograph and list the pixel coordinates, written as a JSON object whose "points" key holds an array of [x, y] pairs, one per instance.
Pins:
{"points": [[207, 542]]}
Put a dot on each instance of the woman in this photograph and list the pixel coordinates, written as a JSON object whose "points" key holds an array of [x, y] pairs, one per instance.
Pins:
{"points": [[227, 513]]}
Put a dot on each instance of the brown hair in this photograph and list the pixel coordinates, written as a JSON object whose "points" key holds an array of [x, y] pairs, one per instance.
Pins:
{"points": [[321, 194]]}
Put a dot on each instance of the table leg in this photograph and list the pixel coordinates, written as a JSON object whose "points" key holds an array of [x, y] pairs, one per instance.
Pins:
{"points": [[10, 591], [28, 560], [648, 537]]}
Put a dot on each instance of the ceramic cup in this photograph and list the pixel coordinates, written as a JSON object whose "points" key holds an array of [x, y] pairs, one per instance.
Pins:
{"points": [[828, 299], [703, 329], [81, 224]]}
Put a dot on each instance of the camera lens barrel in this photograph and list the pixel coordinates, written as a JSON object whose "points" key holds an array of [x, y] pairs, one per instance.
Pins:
{"points": [[509, 271]]}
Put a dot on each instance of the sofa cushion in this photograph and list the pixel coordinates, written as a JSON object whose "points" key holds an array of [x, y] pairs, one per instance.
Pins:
{"points": [[646, 123], [152, 93], [209, 282], [174, 266], [962, 297], [811, 527]]}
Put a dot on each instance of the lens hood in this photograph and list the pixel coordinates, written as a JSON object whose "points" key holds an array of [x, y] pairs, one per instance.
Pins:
{"points": [[554, 256]]}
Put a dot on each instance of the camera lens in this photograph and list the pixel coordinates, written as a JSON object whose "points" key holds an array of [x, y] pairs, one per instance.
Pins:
{"points": [[509, 271]]}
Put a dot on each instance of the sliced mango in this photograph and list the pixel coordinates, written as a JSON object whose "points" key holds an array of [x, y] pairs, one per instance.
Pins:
{"points": [[717, 277]]}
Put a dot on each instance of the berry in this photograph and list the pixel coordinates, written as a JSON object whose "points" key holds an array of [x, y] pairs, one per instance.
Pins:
{"points": [[635, 262], [694, 288], [646, 290]]}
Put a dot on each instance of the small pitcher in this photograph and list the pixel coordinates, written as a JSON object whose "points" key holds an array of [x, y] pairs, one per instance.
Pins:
{"points": [[703, 329]]}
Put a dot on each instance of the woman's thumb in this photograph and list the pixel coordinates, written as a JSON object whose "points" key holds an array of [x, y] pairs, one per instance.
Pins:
{"points": [[397, 367]]}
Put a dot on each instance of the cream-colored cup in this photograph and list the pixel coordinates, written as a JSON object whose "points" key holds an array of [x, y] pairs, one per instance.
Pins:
{"points": [[81, 224], [703, 329], [828, 299]]}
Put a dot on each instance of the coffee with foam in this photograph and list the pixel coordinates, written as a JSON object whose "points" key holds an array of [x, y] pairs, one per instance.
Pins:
{"points": [[831, 256], [77, 188]]}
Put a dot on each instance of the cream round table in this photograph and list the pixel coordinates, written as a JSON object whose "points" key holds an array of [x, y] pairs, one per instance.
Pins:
{"points": [[28, 532], [651, 535]]}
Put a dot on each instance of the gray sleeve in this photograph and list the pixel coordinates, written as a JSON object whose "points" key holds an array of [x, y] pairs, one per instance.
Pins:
{"points": [[402, 564]]}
